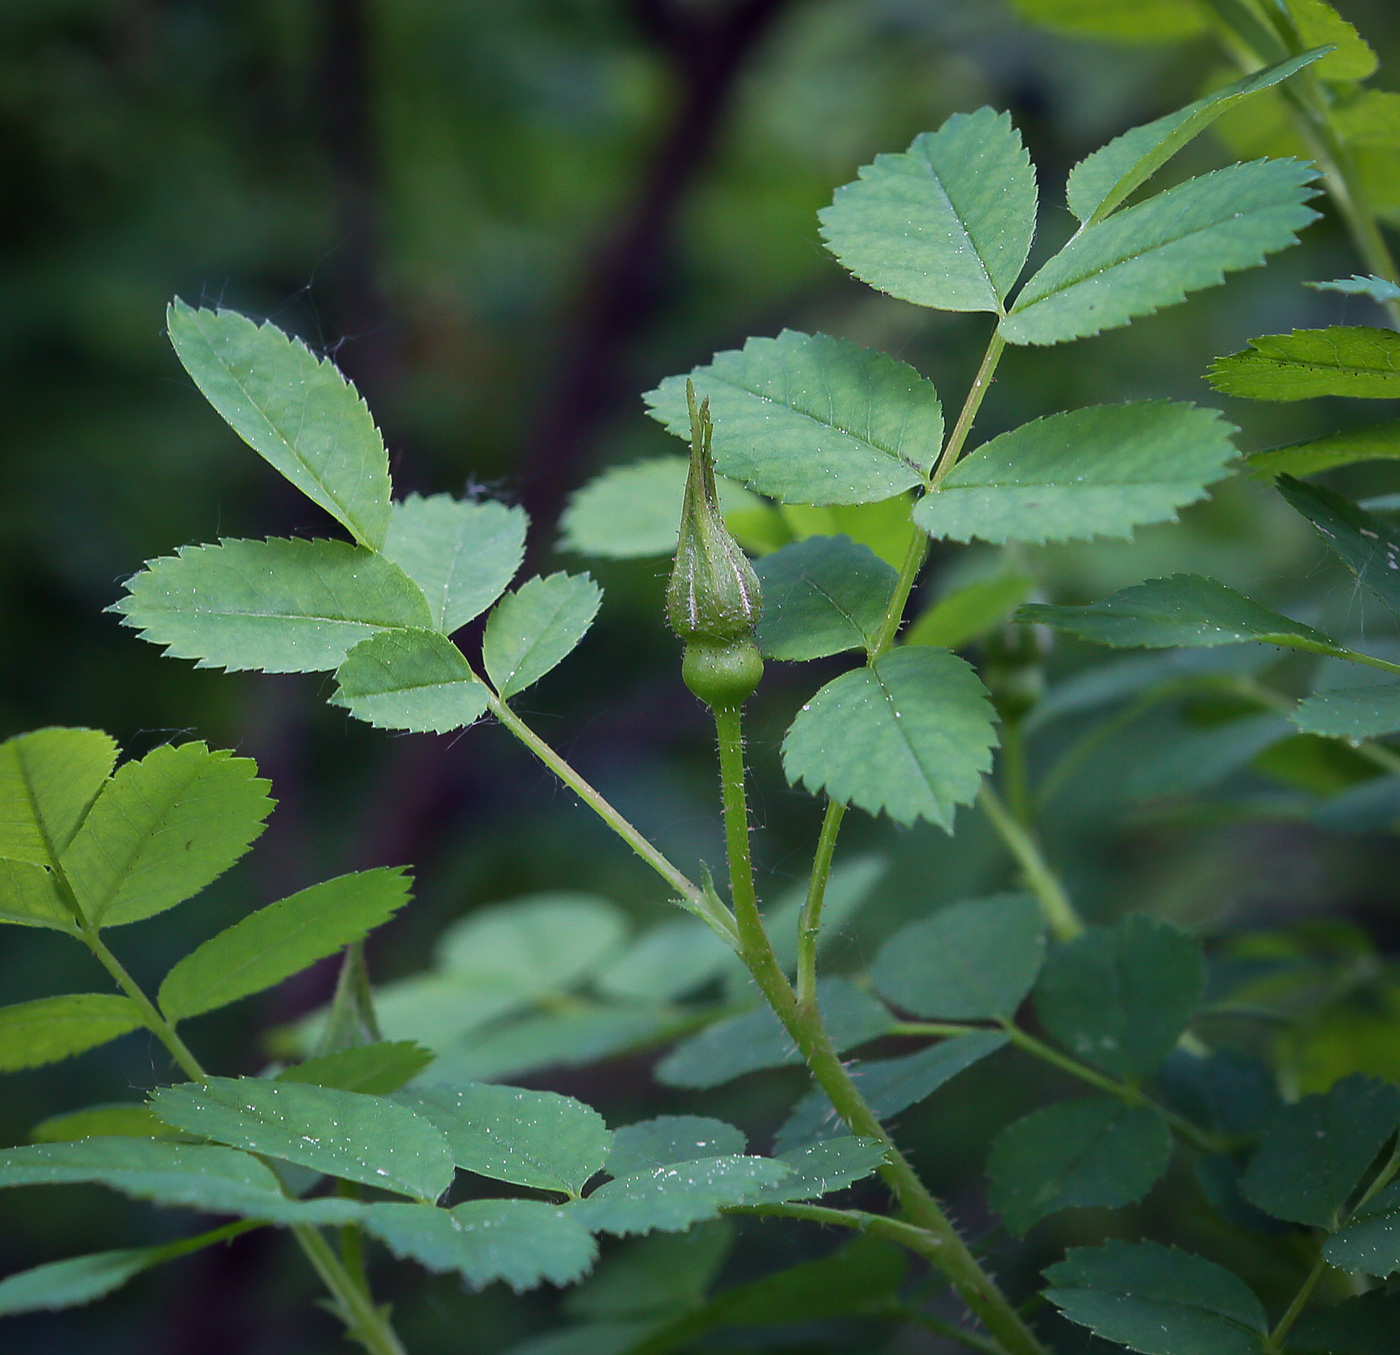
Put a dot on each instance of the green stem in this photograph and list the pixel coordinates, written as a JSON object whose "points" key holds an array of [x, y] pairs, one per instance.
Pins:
{"points": [[810, 927], [971, 1339], [906, 1234], [914, 555], [358, 1312], [1295, 1309], [1060, 914], [952, 449], [1015, 781]]}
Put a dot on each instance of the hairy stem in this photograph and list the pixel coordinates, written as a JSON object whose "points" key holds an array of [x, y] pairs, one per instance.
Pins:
{"points": [[1060, 914], [981, 383], [809, 929]]}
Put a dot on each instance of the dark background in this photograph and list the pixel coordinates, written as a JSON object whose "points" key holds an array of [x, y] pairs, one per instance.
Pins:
{"points": [[506, 220]]}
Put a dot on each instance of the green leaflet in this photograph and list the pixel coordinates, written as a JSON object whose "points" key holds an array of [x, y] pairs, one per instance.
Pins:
{"points": [[359, 1138], [522, 1242], [1356, 361], [1316, 1151], [970, 612], [669, 1139], [1087, 472], [820, 1168], [1365, 1325], [811, 419], [910, 735], [375, 1069], [1184, 609], [1118, 997], [54, 1028], [410, 679], [1146, 21], [1196, 758], [1157, 1300], [948, 223], [214, 1180], [1367, 545], [744, 1044], [888, 1085], [29, 897], [1099, 183], [1378, 289], [281, 940], [1380, 441], [654, 1276], [1370, 1242], [48, 781], [1151, 255], [283, 606], [117, 1120], [66, 1284], [529, 1138], [668, 962], [1369, 122], [162, 829], [1074, 1154], [821, 596], [292, 408], [535, 627], [884, 526], [669, 1199], [462, 554], [1318, 22], [1350, 713], [970, 962]]}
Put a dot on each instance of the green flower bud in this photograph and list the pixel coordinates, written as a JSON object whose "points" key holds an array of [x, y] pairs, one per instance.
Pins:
{"points": [[722, 675]]}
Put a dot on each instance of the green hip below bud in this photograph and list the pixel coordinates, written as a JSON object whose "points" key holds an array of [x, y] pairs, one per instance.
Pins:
{"points": [[722, 675]]}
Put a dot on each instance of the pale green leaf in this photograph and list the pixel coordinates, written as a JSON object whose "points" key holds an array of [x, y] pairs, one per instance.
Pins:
{"points": [[1099, 183], [1376, 442], [66, 1284], [410, 679], [1151, 255], [910, 736], [820, 1168], [970, 962], [970, 612], [666, 963], [885, 525], [48, 781], [668, 1139], [53, 1028], [1378, 289], [1318, 23], [529, 1138], [116, 1120], [284, 606], [946, 224], [1343, 360], [1317, 1150], [162, 829], [1350, 712], [1369, 122], [1370, 1242], [522, 1242], [755, 1040], [811, 419], [821, 596], [1143, 21], [369, 1139], [29, 897], [1184, 609], [214, 1180], [375, 1069], [669, 1199], [535, 627], [1157, 1300], [888, 1086], [294, 409], [1073, 1155], [1080, 474], [281, 940], [1367, 545], [1119, 997], [462, 554]]}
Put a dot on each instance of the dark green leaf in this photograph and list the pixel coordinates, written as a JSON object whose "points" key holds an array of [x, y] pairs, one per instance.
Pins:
{"points": [[535, 627], [820, 1168], [48, 781], [1195, 759], [1365, 1325], [668, 1139], [1367, 545], [1368, 807], [658, 1275], [970, 962], [410, 679], [1356, 361], [1370, 1242], [1075, 1154], [66, 1284], [1118, 997], [864, 1276], [669, 1199], [54, 1028], [821, 596], [1350, 713], [375, 1069], [1377, 442]]}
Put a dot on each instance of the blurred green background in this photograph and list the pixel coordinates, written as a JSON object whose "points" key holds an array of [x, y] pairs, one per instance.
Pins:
{"points": [[505, 220]]}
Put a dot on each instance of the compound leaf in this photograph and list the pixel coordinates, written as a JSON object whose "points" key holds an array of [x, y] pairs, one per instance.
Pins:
{"points": [[522, 1242], [1118, 997], [946, 224], [1367, 545], [375, 1069], [529, 1138], [669, 1139], [294, 409], [1084, 473], [1316, 1151], [1364, 1325], [1343, 360], [812, 419], [831, 1164], [535, 627], [284, 606], [822, 595], [1149, 21], [1350, 712], [669, 1199], [1157, 1300], [281, 940], [53, 1028], [462, 554], [1099, 183], [909, 735], [970, 962], [1185, 610], [410, 679], [162, 829], [359, 1138], [1151, 255], [48, 781], [1092, 1152]]}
